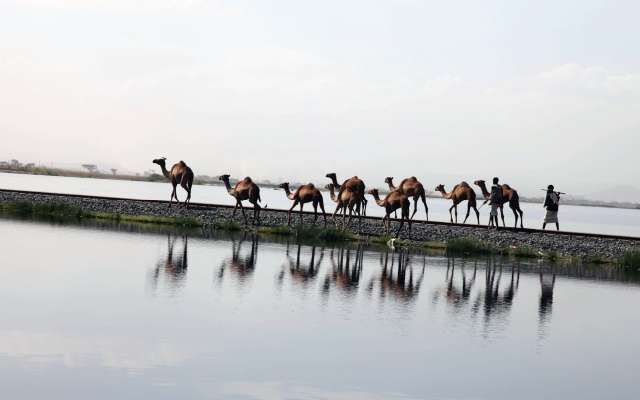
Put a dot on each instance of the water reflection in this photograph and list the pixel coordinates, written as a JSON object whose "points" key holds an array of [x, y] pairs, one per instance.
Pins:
{"points": [[172, 270], [302, 272], [346, 269], [402, 286], [545, 307], [241, 265]]}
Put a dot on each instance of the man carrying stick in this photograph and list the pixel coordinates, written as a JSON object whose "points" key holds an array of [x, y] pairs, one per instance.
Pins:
{"points": [[551, 202]]}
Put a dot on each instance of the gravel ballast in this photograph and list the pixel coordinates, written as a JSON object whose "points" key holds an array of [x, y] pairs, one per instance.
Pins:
{"points": [[572, 245]]}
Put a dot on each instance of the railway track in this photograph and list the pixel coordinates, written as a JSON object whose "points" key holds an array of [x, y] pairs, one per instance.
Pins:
{"points": [[211, 206]]}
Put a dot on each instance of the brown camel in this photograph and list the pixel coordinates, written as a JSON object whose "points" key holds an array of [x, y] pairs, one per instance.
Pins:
{"points": [[393, 201], [354, 184], [180, 173], [411, 187], [346, 200], [509, 195], [245, 189], [460, 193], [305, 194]]}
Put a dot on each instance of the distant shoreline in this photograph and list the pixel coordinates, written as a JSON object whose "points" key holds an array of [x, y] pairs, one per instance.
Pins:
{"points": [[212, 181]]}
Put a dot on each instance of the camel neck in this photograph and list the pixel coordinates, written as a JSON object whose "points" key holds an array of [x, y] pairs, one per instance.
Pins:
{"points": [[227, 185], [376, 197], [332, 194], [391, 187], [287, 191], [445, 194], [485, 192], [164, 171]]}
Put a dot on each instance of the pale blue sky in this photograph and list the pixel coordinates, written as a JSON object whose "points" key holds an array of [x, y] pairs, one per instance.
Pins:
{"points": [[535, 92]]}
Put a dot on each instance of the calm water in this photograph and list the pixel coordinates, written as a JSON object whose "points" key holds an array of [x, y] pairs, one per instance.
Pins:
{"points": [[572, 218], [117, 314]]}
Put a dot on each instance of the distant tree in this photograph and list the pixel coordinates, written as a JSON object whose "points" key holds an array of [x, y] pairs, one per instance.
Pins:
{"points": [[114, 170], [92, 168], [29, 166], [15, 163]]}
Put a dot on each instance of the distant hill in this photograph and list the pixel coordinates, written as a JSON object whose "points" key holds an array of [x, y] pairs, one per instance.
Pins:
{"points": [[618, 193]]}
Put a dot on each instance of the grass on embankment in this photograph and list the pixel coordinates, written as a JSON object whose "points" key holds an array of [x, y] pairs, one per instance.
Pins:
{"points": [[330, 234], [631, 259], [63, 212]]}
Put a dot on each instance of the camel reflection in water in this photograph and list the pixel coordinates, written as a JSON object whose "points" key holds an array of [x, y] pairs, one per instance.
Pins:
{"points": [[171, 269], [491, 301], [241, 265], [346, 269], [400, 286], [303, 273], [455, 295]]}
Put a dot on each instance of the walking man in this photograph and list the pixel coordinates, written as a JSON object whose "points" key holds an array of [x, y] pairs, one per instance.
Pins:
{"points": [[495, 200], [551, 202]]}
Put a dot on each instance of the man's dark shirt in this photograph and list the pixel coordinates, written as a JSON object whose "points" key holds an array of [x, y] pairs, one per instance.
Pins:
{"points": [[549, 203]]}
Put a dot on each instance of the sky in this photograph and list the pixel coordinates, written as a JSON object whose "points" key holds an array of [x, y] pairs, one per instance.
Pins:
{"points": [[533, 92]]}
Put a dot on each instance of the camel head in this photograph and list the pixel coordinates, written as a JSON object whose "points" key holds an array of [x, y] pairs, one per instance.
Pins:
{"points": [[479, 182], [388, 180], [331, 175], [284, 185], [373, 192], [224, 177], [440, 188], [330, 186], [160, 161]]}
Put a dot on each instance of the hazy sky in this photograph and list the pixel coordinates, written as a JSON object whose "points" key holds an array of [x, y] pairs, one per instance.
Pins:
{"points": [[536, 92]]}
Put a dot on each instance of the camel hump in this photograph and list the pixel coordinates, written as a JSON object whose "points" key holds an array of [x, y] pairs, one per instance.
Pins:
{"points": [[247, 180], [505, 186], [182, 163], [413, 178], [464, 184], [311, 185]]}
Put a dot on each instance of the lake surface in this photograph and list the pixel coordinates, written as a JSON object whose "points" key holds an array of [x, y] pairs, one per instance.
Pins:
{"points": [[613, 221], [113, 313]]}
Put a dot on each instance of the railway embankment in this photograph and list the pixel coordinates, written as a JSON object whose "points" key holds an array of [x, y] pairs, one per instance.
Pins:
{"points": [[209, 216]]}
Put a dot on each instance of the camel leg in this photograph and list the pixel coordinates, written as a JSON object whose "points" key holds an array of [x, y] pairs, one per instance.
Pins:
{"points": [[239, 203], [174, 194], [401, 224], [426, 208], [467, 216], [289, 213], [415, 207], [515, 215], [521, 218], [256, 213], [477, 214], [315, 211], [455, 209], [324, 215], [364, 206], [301, 219], [450, 215], [502, 215]]}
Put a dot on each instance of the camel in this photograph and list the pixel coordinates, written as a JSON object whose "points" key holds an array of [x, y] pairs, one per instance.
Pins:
{"points": [[180, 173], [354, 184], [346, 200], [460, 193], [393, 201], [305, 194], [509, 195], [411, 187], [245, 189]]}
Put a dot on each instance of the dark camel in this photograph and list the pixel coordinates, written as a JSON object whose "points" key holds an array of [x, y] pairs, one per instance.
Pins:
{"points": [[412, 188], [394, 201], [245, 189], [346, 200], [509, 195], [460, 193], [180, 173], [354, 184], [305, 194]]}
